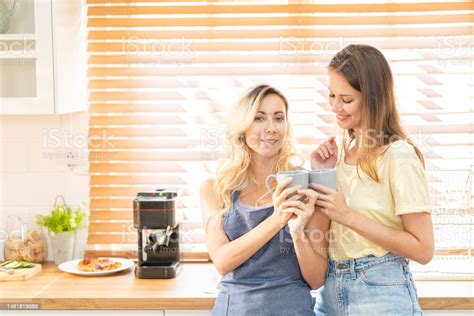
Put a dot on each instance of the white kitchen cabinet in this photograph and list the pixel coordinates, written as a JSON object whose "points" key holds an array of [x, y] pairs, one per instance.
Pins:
{"points": [[70, 57], [174, 313], [426, 313], [187, 313], [80, 313], [43, 59], [448, 313]]}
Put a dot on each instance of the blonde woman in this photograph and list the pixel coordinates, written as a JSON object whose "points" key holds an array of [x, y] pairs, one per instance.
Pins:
{"points": [[381, 213], [246, 228]]}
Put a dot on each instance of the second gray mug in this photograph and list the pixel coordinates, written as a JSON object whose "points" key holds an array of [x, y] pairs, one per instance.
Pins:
{"points": [[326, 177]]}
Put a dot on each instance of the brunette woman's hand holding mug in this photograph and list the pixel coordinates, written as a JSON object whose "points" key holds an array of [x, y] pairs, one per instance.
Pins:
{"points": [[333, 204]]}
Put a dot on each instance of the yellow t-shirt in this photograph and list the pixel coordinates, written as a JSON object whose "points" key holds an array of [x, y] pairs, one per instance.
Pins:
{"points": [[402, 189]]}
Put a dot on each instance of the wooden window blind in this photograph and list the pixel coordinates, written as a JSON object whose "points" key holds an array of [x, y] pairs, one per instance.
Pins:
{"points": [[162, 75]]}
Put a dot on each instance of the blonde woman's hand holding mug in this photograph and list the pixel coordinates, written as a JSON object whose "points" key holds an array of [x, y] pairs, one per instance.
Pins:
{"points": [[301, 211], [280, 201]]}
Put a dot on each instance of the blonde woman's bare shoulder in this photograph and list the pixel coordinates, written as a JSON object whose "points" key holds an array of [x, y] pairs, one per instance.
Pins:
{"points": [[209, 202], [208, 194], [207, 186]]}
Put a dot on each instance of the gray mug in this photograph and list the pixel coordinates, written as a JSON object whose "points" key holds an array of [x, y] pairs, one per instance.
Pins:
{"points": [[326, 177], [300, 177]]}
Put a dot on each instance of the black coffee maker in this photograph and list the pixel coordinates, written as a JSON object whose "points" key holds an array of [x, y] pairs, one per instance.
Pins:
{"points": [[158, 234]]}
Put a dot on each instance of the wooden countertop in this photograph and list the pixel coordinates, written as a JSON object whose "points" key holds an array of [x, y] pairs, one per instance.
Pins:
{"points": [[53, 289]]}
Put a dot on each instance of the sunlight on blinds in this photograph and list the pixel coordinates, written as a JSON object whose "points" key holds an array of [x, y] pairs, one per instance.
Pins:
{"points": [[162, 76]]}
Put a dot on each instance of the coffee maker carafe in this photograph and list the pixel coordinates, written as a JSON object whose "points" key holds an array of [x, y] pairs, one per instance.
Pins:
{"points": [[154, 217]]}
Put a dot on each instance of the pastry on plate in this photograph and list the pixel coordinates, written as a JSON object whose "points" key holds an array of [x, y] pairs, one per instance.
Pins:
{"points": [[98, 264]]}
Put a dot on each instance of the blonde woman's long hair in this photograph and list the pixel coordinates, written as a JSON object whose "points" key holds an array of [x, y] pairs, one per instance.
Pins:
{"points": [[367, 71], [234, 172]]}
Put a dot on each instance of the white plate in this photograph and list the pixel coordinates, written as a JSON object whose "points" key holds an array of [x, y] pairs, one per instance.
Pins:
{"points": [[72, 267]]}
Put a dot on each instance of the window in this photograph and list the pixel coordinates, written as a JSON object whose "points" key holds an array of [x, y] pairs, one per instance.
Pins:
{"points": [[163, 74]]}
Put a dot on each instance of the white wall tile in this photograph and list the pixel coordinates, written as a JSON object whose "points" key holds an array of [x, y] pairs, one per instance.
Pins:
{"points": [[43, 159], [30, 189], [14, 156], [76, 187], [27, 127], [33, 172]]}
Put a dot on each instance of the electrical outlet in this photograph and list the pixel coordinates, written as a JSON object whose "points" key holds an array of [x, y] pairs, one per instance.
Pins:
{"points": [[71, 157]]}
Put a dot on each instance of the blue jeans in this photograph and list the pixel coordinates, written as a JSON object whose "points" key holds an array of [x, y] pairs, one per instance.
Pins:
{"points": [[368, 286]]}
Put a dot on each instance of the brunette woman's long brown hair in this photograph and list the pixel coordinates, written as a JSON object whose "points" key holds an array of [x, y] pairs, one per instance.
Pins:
{"points": [[367, 71]]}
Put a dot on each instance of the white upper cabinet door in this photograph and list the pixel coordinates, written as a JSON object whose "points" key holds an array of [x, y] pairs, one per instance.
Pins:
{"points": [[42, 58]]}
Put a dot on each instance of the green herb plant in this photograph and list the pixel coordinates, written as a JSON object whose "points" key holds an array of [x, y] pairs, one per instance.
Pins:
{"points": [[62, 219]]}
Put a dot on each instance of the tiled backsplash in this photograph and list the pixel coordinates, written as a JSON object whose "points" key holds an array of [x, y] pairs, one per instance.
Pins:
{"points": [[33, 165]]}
